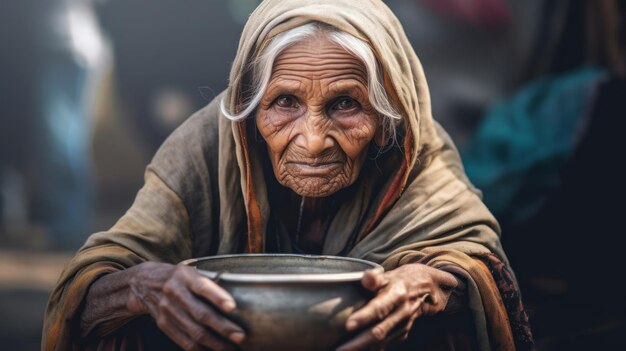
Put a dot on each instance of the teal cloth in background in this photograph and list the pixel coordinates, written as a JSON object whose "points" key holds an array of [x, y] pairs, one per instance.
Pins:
{"points": [[523, 142]]}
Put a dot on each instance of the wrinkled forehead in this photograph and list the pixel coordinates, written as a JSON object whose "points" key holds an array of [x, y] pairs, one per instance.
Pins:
{"points": [[318, 58]]}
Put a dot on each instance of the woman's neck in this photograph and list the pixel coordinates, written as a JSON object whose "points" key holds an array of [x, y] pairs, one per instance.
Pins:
{"points": [[313, 206], [314, 215], [305, 218]]}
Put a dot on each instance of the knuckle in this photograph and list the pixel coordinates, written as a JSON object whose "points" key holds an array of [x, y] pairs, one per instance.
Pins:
{"points": [[200, 315], [207, 316], [401, 291], [194, 285], [379, 333], [380, 310], [220, 327], [196, 334], [180, 271], [161, 322], [163, 305], [189, 345], [380, 314], [169, 287]]}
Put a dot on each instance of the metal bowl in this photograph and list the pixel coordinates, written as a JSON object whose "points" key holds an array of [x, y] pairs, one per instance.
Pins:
{"points": [[290, 302]]}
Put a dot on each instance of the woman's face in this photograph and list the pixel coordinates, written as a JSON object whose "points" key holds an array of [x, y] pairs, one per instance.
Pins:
{"points": [[316, 118]]}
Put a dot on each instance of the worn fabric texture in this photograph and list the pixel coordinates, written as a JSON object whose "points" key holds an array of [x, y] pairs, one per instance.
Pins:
{"points": [[205, 191]]}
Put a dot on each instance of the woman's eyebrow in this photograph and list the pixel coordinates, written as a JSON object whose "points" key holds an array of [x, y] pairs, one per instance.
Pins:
{"points": [[284, 85], [348, 88]]}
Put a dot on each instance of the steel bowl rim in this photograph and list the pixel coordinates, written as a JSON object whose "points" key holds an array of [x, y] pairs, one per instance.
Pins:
{"points": [[283, 278]]}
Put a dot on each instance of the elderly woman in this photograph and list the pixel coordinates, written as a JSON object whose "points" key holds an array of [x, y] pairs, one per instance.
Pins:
{"points": [[323, 143]]}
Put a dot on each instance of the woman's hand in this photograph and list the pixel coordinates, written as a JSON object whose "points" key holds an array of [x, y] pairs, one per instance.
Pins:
{"points": [[183, 303], [404, 294], [176, 297]]}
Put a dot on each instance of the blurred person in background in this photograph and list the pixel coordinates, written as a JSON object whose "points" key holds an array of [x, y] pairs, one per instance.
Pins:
{"points": [[162, 71], [52, 55]]}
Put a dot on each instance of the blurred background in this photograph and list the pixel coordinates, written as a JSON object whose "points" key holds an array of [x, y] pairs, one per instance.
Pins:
{"points": [[532, 92]]}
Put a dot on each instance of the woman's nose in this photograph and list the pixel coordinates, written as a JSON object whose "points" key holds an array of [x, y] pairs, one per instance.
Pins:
{"points": [[314, 136]]}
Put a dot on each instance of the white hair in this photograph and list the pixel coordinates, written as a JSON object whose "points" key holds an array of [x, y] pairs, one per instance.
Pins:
{"points": [[261, 69]]}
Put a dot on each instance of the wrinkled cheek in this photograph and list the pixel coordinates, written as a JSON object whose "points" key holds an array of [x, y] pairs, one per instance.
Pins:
{"points": [[265, 126], [356, 141], [363, 135]]}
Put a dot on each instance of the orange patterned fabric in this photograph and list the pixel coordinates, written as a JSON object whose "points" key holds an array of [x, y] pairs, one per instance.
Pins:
{"points": [[254, 242]]}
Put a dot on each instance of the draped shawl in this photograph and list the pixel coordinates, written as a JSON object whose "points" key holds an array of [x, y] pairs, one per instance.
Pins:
{"points": [[205, 191]]}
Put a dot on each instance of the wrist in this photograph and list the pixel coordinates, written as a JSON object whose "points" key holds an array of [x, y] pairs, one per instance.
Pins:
{"points": [[134, 298]]}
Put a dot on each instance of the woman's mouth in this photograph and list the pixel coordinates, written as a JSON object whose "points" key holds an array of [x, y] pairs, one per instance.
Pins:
{"points": [[314, 169]]}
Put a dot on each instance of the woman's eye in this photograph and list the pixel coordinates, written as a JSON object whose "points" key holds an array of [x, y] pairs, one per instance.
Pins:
{"points": [[345, 104], [286, 101]]}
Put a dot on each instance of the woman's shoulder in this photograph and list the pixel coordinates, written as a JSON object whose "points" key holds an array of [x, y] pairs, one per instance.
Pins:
{"points": [[189, 156]]}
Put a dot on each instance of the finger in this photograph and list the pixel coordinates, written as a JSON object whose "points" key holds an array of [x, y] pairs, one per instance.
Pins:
{"points": [[179, 298], [378, 308], [382, 333], [435, 302], [194, 331], [204, 287], [401, 330], [176, 334], [206, 316], [374, 279], [445, 279]]}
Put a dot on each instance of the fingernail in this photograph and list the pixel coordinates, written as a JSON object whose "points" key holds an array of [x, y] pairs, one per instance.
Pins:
{"points": [[228, 306], [237, 337], [350, 325]]}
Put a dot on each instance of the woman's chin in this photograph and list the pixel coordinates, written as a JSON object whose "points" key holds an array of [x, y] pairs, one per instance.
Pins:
{"points": [[314, 187]]}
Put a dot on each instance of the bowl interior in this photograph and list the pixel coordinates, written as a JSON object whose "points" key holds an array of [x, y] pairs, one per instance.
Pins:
{"points": [[281, 264]]}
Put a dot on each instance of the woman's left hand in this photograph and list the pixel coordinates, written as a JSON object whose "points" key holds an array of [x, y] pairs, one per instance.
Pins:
{"points": [[403, 295]]}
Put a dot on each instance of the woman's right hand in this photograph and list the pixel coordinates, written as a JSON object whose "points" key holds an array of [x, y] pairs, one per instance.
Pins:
{"points": [[176, 297]]}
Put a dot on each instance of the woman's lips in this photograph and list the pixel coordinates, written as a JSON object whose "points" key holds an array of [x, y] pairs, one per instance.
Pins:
{"points": [[313, 169]]}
